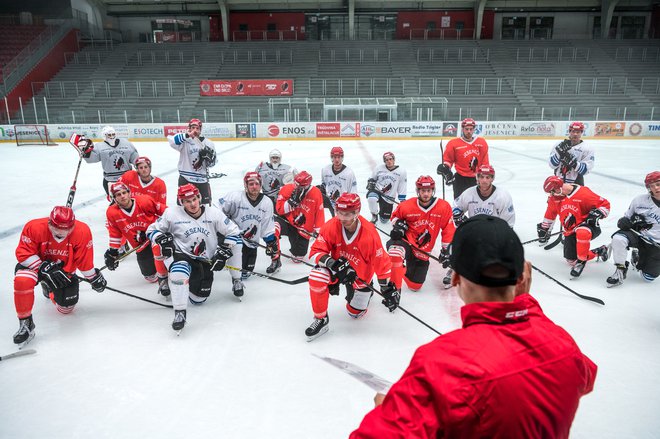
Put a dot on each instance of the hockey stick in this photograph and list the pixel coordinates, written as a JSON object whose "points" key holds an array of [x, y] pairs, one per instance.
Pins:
{"points": [[387, 197], [556, 242], [18, 354], [128, 253], [538, 239], [370, 379], [310, 234], [646, 239], [281, 253], [442, 152], [435, 258], [581, 296], [400, 307], [265, 276], [75, 138], [215, 175], [128, 294]]}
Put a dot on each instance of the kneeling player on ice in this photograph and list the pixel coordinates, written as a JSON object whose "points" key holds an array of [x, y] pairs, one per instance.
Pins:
{"points": [[252, 211], [416, 224], [579, 211], [639, 230], [116, 156], [348, 251], [386, 186], [300, 213], [484, 199], [336, 179], [572, 158], [141, 182], [128, 219], [50, 251], [195, 240], [274, 174]]}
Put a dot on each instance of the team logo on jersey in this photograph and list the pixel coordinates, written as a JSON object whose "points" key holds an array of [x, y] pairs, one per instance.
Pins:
{"points": [[423, 238], [198, 248], [196, 164], [119, 163]]}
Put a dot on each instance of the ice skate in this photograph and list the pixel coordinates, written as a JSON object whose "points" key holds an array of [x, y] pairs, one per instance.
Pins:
{"points": [[164, 287], [179, 320], [237, 288], [274, 266], [602, 253], [618, 276], [576, 271], [446, 281], [25, 332], [317, 328]]}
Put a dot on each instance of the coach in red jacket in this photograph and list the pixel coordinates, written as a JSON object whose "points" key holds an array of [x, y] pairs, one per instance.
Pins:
{"points": [[509, 372]]}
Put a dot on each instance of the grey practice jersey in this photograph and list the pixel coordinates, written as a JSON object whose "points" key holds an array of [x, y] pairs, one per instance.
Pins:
{"points": [[273, 178], [254, 218], [196, 238], [190, 166], [499, 204], [337, 183], [115, 160], [391, 182], [644, 205], [584, 154]]}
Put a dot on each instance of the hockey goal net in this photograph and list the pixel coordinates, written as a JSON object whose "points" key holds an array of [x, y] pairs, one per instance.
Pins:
{"points": [[32, 135]]}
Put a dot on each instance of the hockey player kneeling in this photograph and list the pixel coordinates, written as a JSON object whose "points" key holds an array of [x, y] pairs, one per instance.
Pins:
{"points": [[348, 251], [195, 240]]}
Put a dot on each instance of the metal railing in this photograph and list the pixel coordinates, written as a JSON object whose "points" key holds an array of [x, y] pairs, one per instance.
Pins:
{"points": [[113, 89], [267, 35], [441, 34], [354, 56]]}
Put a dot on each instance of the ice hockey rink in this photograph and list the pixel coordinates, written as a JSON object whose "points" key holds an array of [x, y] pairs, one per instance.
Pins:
{"points": [[114, 368]]}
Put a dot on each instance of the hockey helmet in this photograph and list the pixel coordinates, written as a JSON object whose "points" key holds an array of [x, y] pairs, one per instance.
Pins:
{"points": [[577, 126], [553, 184], [188, 190], [303, 178], [275, 153], [388, 155], [118, 186], [141, 160], [62, 217], [337, 150], [195, 122], [251, 176], [651, 178], [486, 170], [468, 122], [425, 181], [348, 202], [108, 132]]}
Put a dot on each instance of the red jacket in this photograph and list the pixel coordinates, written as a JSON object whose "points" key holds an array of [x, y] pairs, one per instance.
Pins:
{"points": [[577, 204], [311, 207], [461, 154], [509, 373]]}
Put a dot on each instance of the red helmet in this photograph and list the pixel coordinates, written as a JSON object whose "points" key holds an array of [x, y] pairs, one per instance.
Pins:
{"points": [[118, 186], [195, 122], [425, 181], [553, 184], [251, 176], [188, 190], [62, 217], [348, 202], [141, 160], [486, 170], [303, 178], [468, 122], [652, 177], [336, 150], [388, 155], [576, 126]]}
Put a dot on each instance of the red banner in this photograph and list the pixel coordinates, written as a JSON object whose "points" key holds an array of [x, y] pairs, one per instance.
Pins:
{"points": [[246, 87]]}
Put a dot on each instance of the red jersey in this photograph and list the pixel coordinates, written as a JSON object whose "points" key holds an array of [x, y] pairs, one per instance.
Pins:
{"points": [[462, 153], [37, 244], [311, 206], [124, 223], [364, 249], [425, 224], [578, 204], [155, 189]]}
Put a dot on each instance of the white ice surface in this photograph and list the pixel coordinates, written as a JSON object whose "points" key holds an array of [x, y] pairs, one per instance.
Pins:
{"points": [[115, 369]]}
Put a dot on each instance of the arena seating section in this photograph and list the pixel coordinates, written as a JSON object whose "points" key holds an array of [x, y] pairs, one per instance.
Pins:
{"points": [[15, 38], [496, 80]]}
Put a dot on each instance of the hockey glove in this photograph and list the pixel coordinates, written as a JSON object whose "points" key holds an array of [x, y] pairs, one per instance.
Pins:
{"points": [[423, 238], [624, 223], [391, 296], [222, 253], [444, 257], [593, 217], [166, 243], [446, 173], [543, 233], [342, 269], [86, 146], [371, 184], [639, 224], [459, 218], [296, 197], [52, 275], [473, 164], [569, 221], [272, 248], [399, 230], [321, 187], [141, 236], [299, 220], [563, 147], [207, 155], [111, 258], [335, 195], [569, 162], [98, 282]]}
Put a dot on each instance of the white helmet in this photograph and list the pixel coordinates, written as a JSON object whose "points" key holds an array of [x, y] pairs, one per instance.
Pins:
{"points": [[108, 132], [275, 154]]}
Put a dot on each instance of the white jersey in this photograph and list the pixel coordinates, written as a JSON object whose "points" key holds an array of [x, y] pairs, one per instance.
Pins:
{"points": [[254, 218], [273, 178], [190, 166], [499, 204], [583, 153], [645, 206], [391, 183], [115, 160], [197, 238], [337, 183]]}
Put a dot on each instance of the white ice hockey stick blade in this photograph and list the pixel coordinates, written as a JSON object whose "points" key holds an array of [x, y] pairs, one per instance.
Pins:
{"points": [[373, 381], [18, 354]]}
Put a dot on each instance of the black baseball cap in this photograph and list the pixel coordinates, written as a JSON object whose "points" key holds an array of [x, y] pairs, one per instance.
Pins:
{"points": [[484, 241]]}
